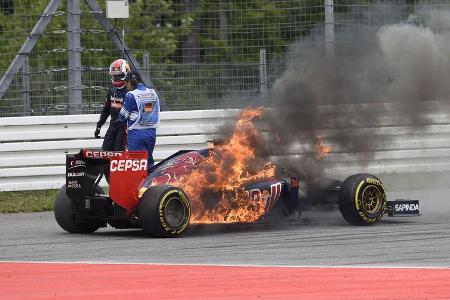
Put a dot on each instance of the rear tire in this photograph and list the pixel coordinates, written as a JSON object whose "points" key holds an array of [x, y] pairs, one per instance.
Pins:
{"points": [[164, 211], [64, 211], [362, 199]]}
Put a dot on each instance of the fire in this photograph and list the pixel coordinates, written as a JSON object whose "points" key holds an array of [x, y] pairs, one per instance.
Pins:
{"points": [[216, 187], [321, 149]]}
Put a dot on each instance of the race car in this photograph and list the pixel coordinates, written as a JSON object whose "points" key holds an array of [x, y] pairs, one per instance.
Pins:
{"points": [[149, 198]]}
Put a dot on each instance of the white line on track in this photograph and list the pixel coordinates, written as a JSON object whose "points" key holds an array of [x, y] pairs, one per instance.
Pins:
{"points": [[230, 265]]}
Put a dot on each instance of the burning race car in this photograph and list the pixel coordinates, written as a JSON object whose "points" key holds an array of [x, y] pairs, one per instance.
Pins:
{"points": [[221, 184]]}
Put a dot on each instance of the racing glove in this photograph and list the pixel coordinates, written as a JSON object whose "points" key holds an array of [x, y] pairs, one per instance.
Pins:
{"points": [[97, 133]]}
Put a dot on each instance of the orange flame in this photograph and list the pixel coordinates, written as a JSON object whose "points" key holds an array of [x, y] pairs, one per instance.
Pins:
{"points": [[321, 149], [221, 177]]}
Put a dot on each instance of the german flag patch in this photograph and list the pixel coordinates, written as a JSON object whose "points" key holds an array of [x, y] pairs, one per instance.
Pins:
{"points": [[148, 107]]}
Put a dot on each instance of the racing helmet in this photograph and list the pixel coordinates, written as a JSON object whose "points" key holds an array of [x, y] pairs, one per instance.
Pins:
{"points": [[133, 77], [118, 72]]}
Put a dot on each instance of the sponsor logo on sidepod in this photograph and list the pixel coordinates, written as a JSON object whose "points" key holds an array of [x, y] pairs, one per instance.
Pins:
{"points": [[270, 199]]}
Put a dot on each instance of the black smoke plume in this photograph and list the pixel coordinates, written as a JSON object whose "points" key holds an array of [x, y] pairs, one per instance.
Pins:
{"points": [[386, 78]]}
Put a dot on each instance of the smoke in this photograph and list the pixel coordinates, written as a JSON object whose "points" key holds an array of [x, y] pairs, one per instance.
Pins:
{"points": [[399, 66], [421, 60]]}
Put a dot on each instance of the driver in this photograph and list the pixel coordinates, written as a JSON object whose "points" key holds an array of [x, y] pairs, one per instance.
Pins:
{"points": [[115, 135]]}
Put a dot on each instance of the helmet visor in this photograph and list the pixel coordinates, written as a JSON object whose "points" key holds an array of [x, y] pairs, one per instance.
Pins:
{"points": [[118, 78]]}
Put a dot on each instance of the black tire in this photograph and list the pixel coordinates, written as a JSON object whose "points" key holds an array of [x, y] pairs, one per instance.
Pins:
{"points": [[65, 216], [362, 199], [164, 211]]}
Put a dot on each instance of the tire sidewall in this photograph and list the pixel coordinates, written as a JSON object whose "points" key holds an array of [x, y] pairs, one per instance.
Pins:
{"points": [[350, 199], [151, 211], [64, 212]]}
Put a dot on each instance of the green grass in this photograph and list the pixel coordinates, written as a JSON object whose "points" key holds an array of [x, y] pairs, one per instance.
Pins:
{"points": [[27, 201]]}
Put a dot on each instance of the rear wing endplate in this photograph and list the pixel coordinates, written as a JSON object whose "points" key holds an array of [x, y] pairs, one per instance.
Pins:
{"points": [[403, 207]]}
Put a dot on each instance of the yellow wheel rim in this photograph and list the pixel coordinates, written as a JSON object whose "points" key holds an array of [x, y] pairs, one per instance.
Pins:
{"points": [[372, 200]]}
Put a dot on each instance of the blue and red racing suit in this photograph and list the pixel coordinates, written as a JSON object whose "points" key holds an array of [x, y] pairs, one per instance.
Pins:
{"points": [[115, 135], [141, 111]]}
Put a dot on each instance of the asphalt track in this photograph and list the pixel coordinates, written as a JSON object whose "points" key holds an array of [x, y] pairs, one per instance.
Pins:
{"points": [[327, 241], [318, 240]]}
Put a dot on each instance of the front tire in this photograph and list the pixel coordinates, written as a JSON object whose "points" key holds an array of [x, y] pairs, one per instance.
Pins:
{"points": [[362, 199], [65, 215], [164, 211]]}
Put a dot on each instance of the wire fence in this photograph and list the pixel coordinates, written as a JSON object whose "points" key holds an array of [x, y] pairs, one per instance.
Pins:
{"points": [[200, 54]]}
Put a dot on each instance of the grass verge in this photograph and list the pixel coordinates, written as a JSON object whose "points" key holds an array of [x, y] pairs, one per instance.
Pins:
{"points": [[27, 201]]}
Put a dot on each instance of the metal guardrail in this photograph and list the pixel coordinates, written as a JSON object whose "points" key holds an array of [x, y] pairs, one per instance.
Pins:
{"points": [[33, 149]]}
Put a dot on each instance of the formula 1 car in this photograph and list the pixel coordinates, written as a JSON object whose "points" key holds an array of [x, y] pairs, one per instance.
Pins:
{"points": [[149, 198]]}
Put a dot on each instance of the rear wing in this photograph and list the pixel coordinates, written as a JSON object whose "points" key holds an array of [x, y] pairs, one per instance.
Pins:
{"points": [[124, 169]]}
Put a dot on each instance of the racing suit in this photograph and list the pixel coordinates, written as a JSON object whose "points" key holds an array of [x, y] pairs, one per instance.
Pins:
{"points": [[115, 135], [141, 111]]}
